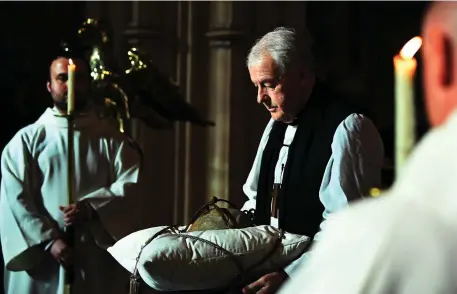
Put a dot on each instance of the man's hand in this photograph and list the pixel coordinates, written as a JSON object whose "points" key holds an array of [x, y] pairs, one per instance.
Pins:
{"points": [[62, 252], [76, 213], [268, 284]]}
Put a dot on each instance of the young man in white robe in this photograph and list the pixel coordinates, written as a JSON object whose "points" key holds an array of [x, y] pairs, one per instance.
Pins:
{"points": [[318, 152], [405, 241], [34, 205]]}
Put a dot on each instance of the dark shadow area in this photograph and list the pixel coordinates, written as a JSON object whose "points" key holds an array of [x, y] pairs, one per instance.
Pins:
{"points": [[376, 31], [29, 31]]}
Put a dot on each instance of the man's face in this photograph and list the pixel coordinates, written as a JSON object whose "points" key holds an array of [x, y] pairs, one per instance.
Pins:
{"points": [[57, 86], [279, 95]]}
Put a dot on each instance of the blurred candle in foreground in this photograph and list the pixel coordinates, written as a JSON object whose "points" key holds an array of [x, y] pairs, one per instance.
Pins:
{"points": [[71, 87], [405, 69]]}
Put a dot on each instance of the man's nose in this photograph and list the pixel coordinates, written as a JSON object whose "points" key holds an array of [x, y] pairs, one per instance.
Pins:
{"points": [[260, 95]]}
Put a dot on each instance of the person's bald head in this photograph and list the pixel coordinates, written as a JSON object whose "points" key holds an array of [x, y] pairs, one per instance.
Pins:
{"points": [[440, 56]]}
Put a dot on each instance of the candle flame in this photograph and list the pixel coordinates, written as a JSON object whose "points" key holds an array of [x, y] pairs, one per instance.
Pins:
{"points": [[411, 47], [70, 61]]}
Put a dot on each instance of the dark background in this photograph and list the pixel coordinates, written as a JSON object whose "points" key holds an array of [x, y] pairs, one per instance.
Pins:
{"points": [[30, 30]]}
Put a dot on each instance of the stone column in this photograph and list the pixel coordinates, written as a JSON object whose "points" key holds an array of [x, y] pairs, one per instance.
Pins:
{"points": [[225, 93], [182, 198]]}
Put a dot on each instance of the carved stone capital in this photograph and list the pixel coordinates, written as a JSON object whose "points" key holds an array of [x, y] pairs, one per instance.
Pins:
{"points": [[135, 34], [223, 37]]}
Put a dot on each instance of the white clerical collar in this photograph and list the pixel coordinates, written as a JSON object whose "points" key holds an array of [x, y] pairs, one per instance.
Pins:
{"points": [[452, 118], [53, 117]]}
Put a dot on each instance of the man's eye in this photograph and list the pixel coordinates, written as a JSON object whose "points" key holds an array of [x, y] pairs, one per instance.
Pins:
{"points": [[62, 78]]}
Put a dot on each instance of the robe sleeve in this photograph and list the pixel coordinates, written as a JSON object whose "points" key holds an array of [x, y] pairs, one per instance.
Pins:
{"points": [[355, 165], [24, 227], [250, 187], [119, 205], [354, 168]]}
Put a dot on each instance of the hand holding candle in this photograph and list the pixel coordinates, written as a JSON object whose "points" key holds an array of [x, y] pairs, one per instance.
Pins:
{"points": [[405, 68], [71, 87]]}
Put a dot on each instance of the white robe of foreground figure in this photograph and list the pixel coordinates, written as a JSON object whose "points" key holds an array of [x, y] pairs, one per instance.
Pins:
{"points": [[34, 185], [403, 242]]}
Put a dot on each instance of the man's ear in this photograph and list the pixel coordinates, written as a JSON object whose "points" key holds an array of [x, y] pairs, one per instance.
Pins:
{"points": [[306, 77], [48, 86], [303, 75], [439, 52], [448, 62]]}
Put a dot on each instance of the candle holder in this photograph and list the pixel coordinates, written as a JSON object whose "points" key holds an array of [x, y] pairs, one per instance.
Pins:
{"points": [[67, 274], [69, 231]]}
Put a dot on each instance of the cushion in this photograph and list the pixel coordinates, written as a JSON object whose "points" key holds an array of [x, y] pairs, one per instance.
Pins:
{"points": [[181, 262], [127, 249]]}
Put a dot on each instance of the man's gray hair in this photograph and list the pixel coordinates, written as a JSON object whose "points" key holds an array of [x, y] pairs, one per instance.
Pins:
{"points": [[286, 47]]}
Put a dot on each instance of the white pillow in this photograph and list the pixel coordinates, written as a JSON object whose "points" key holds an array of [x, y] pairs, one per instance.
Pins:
{"points": [[177, 262], [127, 249]]}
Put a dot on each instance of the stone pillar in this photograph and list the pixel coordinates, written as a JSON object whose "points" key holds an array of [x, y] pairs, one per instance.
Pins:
{"points": [[156, 35], [173, 35], [182, 199], [226, 97], [191, 168], [142, 24]]}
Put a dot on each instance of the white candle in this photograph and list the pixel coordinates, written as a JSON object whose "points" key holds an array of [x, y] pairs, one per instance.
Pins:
{"points": [[71, 87], [405, 69]]}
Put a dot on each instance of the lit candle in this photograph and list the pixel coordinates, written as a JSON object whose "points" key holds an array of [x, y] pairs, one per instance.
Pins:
{"points": [[71, 87], [405, 68]]}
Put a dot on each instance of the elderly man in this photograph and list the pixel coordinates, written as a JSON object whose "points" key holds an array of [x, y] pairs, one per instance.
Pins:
{"points": [[317, 152], [34, 208], [404, 242]]}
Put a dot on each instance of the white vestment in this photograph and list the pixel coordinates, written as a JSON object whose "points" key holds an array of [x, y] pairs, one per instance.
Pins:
{"points": [[353, 169], [34, 185], [403, 242]]}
